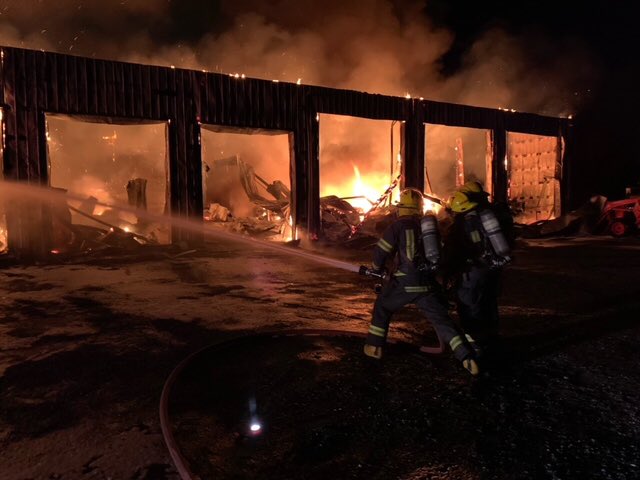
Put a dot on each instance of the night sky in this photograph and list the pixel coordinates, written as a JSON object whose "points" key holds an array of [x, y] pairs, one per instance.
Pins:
{"points": [[606, 126], [571, 57]]}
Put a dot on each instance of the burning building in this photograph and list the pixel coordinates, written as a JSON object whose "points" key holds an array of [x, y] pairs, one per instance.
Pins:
{"points": [[154, 124]]}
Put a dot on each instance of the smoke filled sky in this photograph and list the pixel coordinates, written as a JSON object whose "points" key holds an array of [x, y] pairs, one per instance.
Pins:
{"points": [[443, 50], [546, 57]]}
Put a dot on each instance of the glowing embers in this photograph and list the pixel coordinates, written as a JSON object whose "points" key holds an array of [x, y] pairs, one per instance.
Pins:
{"points": [[360, 166], [112, 164], [454, 155], [246, 184], [3, 229]]}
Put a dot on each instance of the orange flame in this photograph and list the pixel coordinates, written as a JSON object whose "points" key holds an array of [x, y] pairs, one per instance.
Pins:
{"points": [[359, 190], [362, 191]]}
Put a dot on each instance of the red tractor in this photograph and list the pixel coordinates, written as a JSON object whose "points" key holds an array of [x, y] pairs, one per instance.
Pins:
{"points": [[620, 217]]}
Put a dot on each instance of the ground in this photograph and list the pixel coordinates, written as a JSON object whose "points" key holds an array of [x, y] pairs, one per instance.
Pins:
{"points": [[87, 346]]}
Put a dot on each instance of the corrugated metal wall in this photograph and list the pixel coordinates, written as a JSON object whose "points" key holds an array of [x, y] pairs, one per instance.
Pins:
{"points": [[35, 83]]}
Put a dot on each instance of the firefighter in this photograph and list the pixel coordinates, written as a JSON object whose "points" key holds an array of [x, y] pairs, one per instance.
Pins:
{"points": [[475, 251], [412, 279]]}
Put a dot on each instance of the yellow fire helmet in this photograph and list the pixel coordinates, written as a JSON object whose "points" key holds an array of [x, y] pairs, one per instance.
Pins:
{"points": [[460, 203], [471, 186], [410, 202]]}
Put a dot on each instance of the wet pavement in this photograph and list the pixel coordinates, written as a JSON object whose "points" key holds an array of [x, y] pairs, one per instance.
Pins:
{"points": [[86, 347]]}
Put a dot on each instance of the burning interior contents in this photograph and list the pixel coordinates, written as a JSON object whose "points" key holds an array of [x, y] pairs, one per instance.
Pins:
{"points": [[106, 164], [245, 179], [360, 164]]}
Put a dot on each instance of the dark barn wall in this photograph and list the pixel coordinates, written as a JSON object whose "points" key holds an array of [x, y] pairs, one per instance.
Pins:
{"points": [[36, 82]]}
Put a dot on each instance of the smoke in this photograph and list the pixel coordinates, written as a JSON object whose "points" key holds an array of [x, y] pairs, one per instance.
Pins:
{"points": [[382, 46]]}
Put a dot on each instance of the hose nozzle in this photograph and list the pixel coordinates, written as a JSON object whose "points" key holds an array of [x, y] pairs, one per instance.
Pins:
{"points": [[366, 271]]}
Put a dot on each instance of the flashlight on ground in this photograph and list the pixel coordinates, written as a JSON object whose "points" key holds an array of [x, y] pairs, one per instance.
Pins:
{"points": [[255, 427]]}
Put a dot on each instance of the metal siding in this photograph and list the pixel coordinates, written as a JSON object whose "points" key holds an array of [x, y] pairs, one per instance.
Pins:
{"points": [[10, 156], [192, 83], [129, 88], [24, 161], [101, 88], [135, 79], [81, 75], [71, 85], [92, 88], [62, 87], [147, 95], [36, 173]]}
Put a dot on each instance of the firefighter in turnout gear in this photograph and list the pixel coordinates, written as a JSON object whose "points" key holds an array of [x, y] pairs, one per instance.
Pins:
{"points": [[475, 251], [412, 242]]}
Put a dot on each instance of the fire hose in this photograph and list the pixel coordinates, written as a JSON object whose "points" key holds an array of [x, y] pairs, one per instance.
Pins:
{"points": [[179, 461]]}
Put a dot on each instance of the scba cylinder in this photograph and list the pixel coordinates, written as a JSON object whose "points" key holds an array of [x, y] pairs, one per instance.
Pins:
{"points": [[494, 233], [430, 239]]}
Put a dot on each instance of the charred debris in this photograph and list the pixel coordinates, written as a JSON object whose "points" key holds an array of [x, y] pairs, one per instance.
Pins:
{"points": [[263, 211], [268, 215]]}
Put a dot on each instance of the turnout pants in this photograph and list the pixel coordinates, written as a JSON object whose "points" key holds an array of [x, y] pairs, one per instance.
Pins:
{"points": [[429, 301], [477, 300]]}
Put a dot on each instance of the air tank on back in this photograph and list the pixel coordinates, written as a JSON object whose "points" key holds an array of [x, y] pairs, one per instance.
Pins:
{"points": [[430, 239], [494, 233]]}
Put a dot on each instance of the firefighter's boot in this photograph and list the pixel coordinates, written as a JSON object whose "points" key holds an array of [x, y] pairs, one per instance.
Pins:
{"points": [[477, 348], [471, 366], [373, 351]]}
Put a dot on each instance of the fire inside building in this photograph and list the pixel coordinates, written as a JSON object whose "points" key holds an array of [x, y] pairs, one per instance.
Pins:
{"points": [[262, 157], [265, 360]]}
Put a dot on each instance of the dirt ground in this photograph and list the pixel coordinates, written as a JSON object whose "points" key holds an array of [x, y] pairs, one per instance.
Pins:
{"points": [[87, 345]]}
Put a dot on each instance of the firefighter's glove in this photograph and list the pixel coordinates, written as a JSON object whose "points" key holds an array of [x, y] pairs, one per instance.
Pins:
{"points": [[377, 272], [500, 262], [429, 267]]}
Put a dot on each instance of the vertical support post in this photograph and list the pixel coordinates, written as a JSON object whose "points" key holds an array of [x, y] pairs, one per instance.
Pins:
{"points": [[499, 168], [488, 162], [567, 194], [412, 132], [195, 200], [185, 178], [305, 174], [174, 190], [25, 159]]}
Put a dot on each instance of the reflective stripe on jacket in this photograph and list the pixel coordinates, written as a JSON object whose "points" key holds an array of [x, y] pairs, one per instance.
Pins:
{"points": [[402, 242]]}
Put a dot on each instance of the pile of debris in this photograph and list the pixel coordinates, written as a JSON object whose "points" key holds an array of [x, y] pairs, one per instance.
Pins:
{"points": [[268, 218], [341, 222], [113, 230]]}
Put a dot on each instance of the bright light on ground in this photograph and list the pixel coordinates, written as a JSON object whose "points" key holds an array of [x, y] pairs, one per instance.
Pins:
{"points": [[255, 427]]}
